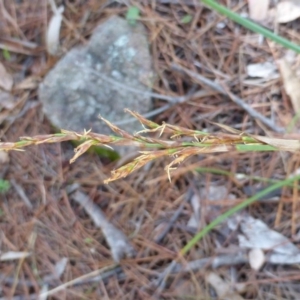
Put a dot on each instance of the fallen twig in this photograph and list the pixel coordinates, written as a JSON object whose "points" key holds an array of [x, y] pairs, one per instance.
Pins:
{"points": [[159, 110], [76, 281], [213, 262], [117, 241], [117, 84]]}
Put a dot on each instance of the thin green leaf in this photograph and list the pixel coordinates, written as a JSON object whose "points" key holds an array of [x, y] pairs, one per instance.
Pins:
{"points": [[186, 19], [6, 54], [132, 15], [251, 25], [4, 186], [258, 147], [234, 210]]}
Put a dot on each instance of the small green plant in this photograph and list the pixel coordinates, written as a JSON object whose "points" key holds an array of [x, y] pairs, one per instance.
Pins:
{"points": [[4, 186], [186, 19], [132, 15], [88, 240], [6, 54]]}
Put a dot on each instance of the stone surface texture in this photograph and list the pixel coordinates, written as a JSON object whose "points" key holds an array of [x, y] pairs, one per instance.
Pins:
{"points": [[76, 91]]}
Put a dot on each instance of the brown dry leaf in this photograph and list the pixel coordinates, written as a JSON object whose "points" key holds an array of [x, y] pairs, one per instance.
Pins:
{"points": [[6, 80], [258, 10], [287, 11], [291, 83]]}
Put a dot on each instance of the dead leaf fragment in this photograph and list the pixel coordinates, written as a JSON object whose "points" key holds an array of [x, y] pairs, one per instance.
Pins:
{"points": [[282, 144], [4, 157], [12, 255], [6, 80], [216, 193], [257, 234], [287, 11], [52, 38], [258, 10], [194, 220], [59, 269], [291, 83], [43, 292], [6, 101], [222, 288], [284, 259], [256, 258], [266, 70]]}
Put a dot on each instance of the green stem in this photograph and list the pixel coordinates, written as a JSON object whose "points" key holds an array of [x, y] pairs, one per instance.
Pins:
{"points": [[232, 211], [238, 175], [251, 25]]}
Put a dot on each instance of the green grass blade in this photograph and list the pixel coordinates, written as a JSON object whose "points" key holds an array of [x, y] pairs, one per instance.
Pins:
{"points": [[239, 175], [251, 25], [233, 210], [213, 171], [257, 147]]}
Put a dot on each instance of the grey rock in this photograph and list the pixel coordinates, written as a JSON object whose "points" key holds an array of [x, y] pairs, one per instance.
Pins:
{"points": [[85, 83]]}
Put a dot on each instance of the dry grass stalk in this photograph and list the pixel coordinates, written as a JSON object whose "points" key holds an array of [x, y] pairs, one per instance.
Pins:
{"points": [[198, 143]]}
